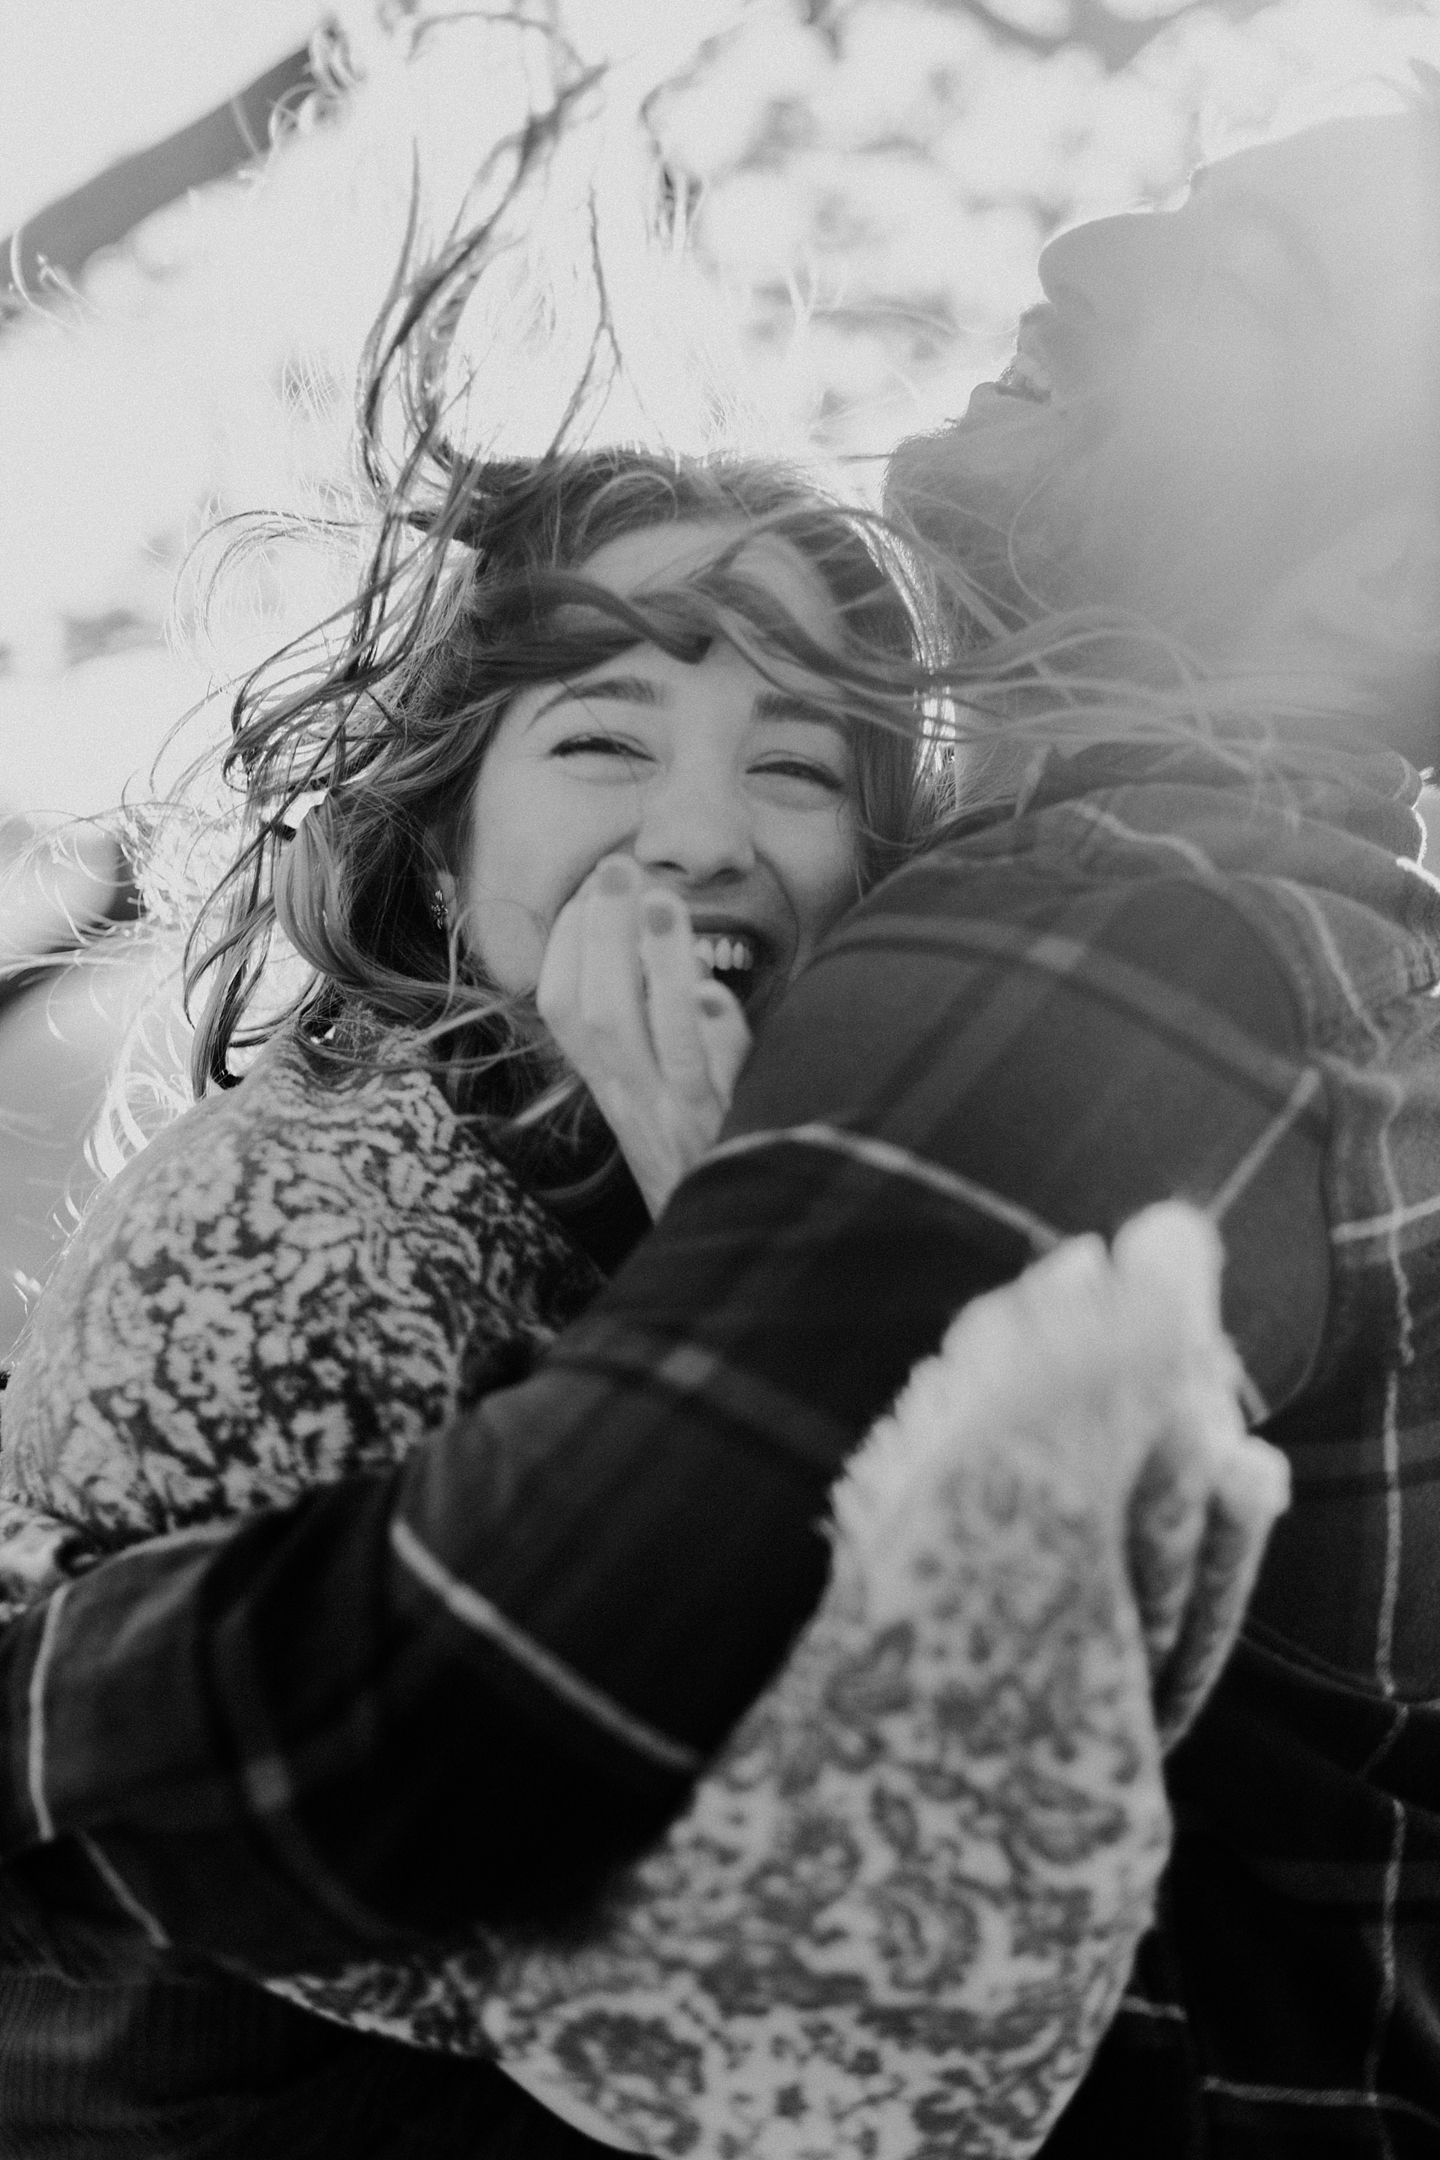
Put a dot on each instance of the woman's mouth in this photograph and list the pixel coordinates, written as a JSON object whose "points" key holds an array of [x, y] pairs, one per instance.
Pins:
{"points": [[732, 957]]}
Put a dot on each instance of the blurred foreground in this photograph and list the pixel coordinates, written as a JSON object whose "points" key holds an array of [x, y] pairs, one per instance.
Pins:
{"points": [[61, 1017]]}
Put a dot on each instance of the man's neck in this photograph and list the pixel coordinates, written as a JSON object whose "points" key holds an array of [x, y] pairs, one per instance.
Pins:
{"points": [[1349, 641]]}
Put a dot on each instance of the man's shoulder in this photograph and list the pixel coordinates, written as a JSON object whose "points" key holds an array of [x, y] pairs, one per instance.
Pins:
{"points": [[1218, 891], [1141, 923]]}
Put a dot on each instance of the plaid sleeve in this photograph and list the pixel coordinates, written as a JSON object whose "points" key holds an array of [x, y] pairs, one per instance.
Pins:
{"points": [[470, 1687]]}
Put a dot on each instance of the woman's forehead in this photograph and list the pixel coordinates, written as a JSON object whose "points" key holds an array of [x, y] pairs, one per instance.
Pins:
{"points": [[667, 554]]}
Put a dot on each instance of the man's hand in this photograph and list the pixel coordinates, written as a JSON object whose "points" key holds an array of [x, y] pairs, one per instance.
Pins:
{"points": [[659, 1046]]}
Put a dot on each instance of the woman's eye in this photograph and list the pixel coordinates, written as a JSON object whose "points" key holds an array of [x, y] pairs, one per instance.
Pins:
{"points": [[801, 769], [611, 746]]}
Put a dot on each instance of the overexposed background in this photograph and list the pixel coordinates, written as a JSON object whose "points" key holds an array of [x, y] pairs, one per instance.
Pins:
{"points": [[858, 191], [871, 183]]}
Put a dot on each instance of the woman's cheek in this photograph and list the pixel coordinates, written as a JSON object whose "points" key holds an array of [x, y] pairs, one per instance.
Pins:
{"points": [[831, 883], [508, 940], [844, 882]]}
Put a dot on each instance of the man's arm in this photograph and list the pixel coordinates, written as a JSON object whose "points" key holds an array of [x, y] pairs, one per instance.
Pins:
{"points": [[473, 1686]]}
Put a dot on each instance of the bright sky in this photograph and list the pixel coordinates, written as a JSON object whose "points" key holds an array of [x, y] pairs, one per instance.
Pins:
{"points": [[87, 81], [870, 253]]}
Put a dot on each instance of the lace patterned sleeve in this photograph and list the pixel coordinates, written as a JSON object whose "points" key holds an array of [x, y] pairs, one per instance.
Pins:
{"points": [[899, 1913]]}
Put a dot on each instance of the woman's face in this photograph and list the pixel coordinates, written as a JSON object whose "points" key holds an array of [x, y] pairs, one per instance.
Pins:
{"points": [[727, 793]]}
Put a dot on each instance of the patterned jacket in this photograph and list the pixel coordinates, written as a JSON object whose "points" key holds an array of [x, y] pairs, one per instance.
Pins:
{"points": [[287, 1286]]}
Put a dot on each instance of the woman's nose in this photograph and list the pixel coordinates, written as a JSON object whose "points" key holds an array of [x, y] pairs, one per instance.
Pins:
{"points": [[696, 826], [1118, 270]]}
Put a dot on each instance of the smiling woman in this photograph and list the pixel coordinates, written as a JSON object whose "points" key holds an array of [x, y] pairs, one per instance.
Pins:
{"points": [[622, 656], [735, 795], [559, 673], [726, 804]]}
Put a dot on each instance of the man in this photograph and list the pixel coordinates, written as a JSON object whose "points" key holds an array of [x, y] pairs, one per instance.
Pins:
{"points": [[1198, 959]]}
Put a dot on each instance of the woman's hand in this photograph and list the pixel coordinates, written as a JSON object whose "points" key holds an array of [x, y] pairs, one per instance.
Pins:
{"points": [[659, 1046]]}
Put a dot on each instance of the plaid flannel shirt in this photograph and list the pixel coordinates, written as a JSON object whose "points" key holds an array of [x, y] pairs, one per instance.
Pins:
{"points": [[468, 1688]]}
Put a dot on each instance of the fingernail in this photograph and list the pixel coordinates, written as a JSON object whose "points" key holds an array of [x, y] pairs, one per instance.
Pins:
{"points": [[613, 877], [660, 916]]}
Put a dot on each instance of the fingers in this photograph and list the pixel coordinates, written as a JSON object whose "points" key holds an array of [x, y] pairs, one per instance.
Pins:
{"points": [[1165, 1532], [620, 992], [698, 1028], [1168, 1263], [1251, 1490], [557, 992], [673, 993], [612, 984], [1114, 1366], [1209, 1493], [1171, 1254], [658, 1046], [1046, 1362], [591, 992], [725, 1038]]}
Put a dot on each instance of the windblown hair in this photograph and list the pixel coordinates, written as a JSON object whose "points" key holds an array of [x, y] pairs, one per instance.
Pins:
{"points": [[355, 750]]}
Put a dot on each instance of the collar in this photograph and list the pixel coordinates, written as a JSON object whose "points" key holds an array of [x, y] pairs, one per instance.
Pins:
{"points": [[1368, 793], [1329, 819]]}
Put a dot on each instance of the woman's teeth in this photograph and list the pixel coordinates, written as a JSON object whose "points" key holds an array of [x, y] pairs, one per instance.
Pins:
{"points": [[725, 955]]}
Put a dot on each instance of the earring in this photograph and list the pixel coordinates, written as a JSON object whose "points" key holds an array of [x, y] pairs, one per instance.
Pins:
{"points": [[439, 913]]}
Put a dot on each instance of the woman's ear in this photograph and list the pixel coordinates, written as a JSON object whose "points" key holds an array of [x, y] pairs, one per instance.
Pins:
{"points": [[446, 887]]}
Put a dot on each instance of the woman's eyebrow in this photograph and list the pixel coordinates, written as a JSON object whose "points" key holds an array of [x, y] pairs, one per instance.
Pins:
{"points": [[783, 705], [618, 689]]}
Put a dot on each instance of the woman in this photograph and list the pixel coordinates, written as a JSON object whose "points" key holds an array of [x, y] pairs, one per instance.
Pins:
{"points": [[609, 777], [407, 1194], [525, 733]]}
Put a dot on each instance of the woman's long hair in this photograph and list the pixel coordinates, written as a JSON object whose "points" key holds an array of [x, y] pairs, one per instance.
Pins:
{"points": [[354, 750], [391, 735]]}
